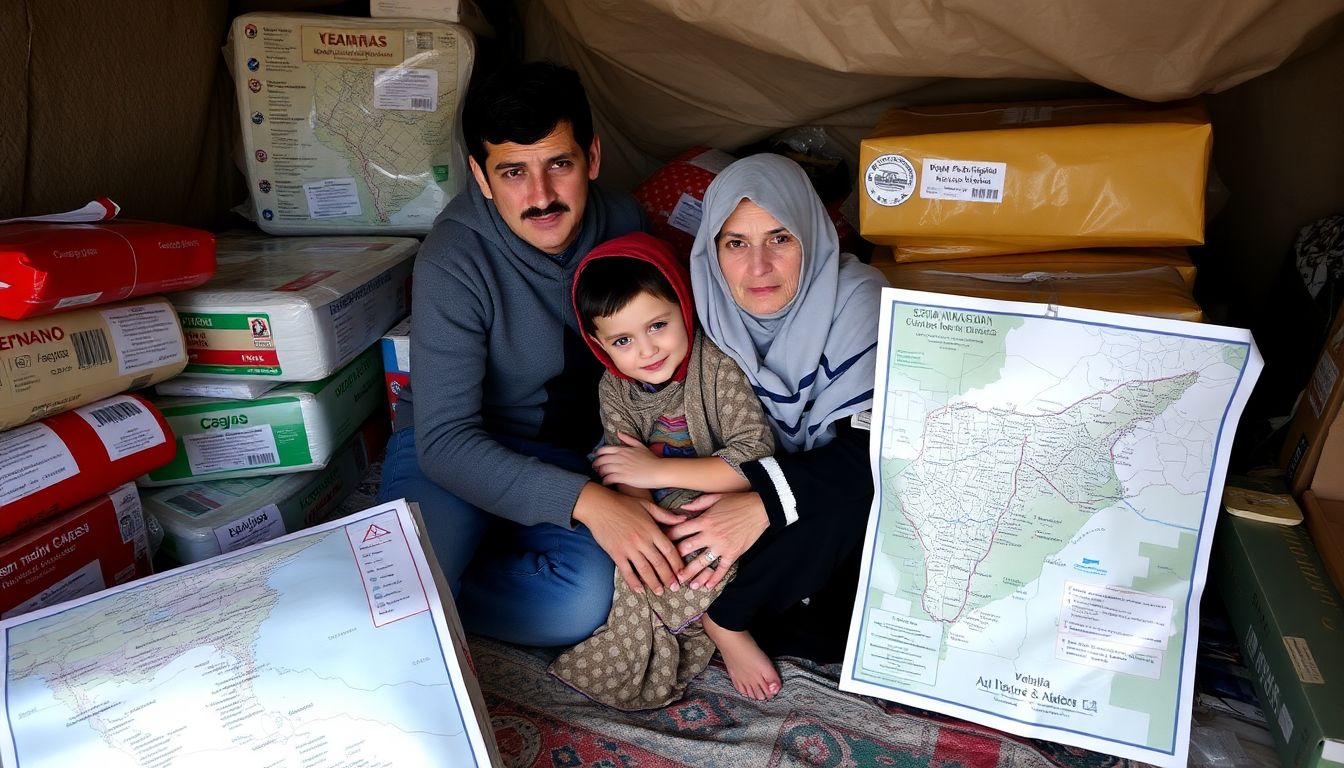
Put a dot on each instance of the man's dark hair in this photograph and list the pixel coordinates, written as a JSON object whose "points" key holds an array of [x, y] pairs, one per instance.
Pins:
{"points": [[606, 285], [523, 104]]}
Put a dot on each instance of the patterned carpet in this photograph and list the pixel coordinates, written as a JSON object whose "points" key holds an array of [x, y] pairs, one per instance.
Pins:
{"points": [[539, 722]]}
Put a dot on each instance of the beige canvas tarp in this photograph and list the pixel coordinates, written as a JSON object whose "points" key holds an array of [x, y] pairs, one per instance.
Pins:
{"points": [[668, 74]]}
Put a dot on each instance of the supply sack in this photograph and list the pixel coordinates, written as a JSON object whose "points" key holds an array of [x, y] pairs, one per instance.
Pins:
{"points": [[71, 457], [294, 309], [983, 179], [46, 267], [1152, 291], [350, 125], [1091, 260], [54, 363], [96, 545], [204, 519], [294, 428]]}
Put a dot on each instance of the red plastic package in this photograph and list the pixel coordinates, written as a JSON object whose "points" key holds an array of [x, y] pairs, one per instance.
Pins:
{"points": [[46, 267], [66, 459], [671, 196]]}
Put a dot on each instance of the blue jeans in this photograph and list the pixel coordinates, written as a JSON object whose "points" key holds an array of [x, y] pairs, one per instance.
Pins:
{"points": [[531, 585]]}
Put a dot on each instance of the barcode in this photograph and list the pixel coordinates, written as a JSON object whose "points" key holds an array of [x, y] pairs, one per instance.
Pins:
{"points": [[91, 348], [126, 526], [424, 41], [111, 414], [984, 194], [419, 102], [257, 459]]}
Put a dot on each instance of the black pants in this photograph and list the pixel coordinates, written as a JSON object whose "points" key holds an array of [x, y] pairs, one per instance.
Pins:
{"points": [[817, 557]]}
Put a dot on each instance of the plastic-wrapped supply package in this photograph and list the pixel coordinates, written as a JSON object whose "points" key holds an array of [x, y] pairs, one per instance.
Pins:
{"points": [[350, 125], [396, 347], [1092, 260], [196, 386], [96, 545], [47, 267], [984, 179], [202, 520], [57, 362], [672, 196], [294, 428], [69, 458], [294, 309], [1153, 291]]}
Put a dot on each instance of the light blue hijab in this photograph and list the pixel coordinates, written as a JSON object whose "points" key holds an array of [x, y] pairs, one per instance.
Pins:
{"points": [[812, 362]]}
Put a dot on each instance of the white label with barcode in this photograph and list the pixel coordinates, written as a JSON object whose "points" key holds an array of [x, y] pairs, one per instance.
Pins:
{"points": [[330, 198], [262, 525], [972, 181], [32, 457], [406, 88], [146, 336], [229, 449], [130, 514], [123, 424]]}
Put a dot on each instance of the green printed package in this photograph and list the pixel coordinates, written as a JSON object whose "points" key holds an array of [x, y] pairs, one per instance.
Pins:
{"points": [[205, 519], [294, 428], [1289, 620]]}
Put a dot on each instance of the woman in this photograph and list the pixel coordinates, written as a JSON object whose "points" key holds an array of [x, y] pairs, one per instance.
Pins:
{"points": [[774, 292]]}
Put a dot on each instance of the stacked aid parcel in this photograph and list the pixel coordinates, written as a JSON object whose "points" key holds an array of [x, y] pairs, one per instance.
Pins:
{"points": [[82, 328]]}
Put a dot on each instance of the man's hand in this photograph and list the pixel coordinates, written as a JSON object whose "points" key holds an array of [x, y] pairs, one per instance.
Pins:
{"points": [[628, 530], [632, 464]]}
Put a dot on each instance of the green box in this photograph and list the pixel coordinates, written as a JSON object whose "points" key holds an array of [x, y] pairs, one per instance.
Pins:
{"points": [[1289, 620]]}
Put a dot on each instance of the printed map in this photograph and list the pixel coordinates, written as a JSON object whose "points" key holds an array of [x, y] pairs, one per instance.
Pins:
{"points": [[1044, 516], [314, 650]]}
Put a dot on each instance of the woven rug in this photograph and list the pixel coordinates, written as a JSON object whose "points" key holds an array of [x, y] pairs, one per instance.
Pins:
{"points": [[540, 722]]}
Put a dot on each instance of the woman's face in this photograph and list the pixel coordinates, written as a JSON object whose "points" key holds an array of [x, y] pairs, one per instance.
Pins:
{"points": [[760, 259]]}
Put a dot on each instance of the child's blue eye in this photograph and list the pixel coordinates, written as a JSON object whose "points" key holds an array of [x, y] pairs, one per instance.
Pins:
{"points": [[658, 326], [621, 342]]}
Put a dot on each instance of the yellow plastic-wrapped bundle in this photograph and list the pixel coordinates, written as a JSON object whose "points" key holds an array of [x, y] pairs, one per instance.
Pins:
{"points": [[1087, 261], [984, 179]]}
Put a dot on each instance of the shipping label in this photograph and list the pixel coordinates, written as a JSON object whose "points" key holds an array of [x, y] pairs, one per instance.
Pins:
{"points": [[145, 336], [262, 525], [231, 449], [32, 458], [972, 181], [332, 198], [123, 424], [408, 88]]}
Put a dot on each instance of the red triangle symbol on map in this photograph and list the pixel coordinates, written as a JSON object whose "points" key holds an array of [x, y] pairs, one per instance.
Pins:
{"points": [[375, 531]]}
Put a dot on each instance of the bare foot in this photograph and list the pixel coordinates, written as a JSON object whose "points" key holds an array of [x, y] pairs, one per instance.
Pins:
{"points": [[752, 672]]}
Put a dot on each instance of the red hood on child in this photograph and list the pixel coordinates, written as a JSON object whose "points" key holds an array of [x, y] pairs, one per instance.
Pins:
{"points": [[638, 245]]}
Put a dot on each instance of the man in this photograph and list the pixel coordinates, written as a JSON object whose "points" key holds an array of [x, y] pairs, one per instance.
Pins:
{"points": [[491, 434]]}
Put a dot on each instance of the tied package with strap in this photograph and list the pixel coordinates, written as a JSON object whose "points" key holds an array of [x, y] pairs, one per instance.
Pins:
{"points": [[48, 267], [96, 545], [204, 519], [984, 179], [294, 309], [1089, 261], [57, 362], [350, 125], [293, 428], [69, 458]]}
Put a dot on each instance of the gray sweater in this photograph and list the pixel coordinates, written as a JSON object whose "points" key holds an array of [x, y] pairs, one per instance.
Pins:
{"points": [[496, 351]]}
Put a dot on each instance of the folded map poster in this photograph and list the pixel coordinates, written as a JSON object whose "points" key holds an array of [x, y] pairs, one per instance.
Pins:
{"points": [[333, 646], [1048, 480]]}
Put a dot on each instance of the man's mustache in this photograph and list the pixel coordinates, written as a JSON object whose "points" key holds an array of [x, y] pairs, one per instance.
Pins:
{"points": [[556, 207]]}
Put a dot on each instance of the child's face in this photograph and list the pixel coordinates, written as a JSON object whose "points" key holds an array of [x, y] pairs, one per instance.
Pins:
{"points": [[646, 338]]}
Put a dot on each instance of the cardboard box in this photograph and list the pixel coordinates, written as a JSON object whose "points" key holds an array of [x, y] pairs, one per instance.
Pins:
{"points": [[396, 349], [1290, 624], [1316, 411], [1325, 523], [94, 546], [985, 179]]}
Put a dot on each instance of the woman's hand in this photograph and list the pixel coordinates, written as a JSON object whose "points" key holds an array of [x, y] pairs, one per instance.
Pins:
{"points": [[728, 525], [632, 464]]}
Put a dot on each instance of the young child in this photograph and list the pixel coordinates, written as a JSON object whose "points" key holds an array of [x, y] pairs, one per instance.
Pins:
{"points": [[679, 417]]}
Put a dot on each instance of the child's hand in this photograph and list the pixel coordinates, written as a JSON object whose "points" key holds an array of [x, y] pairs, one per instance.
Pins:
{"points": [[631, 464]]}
